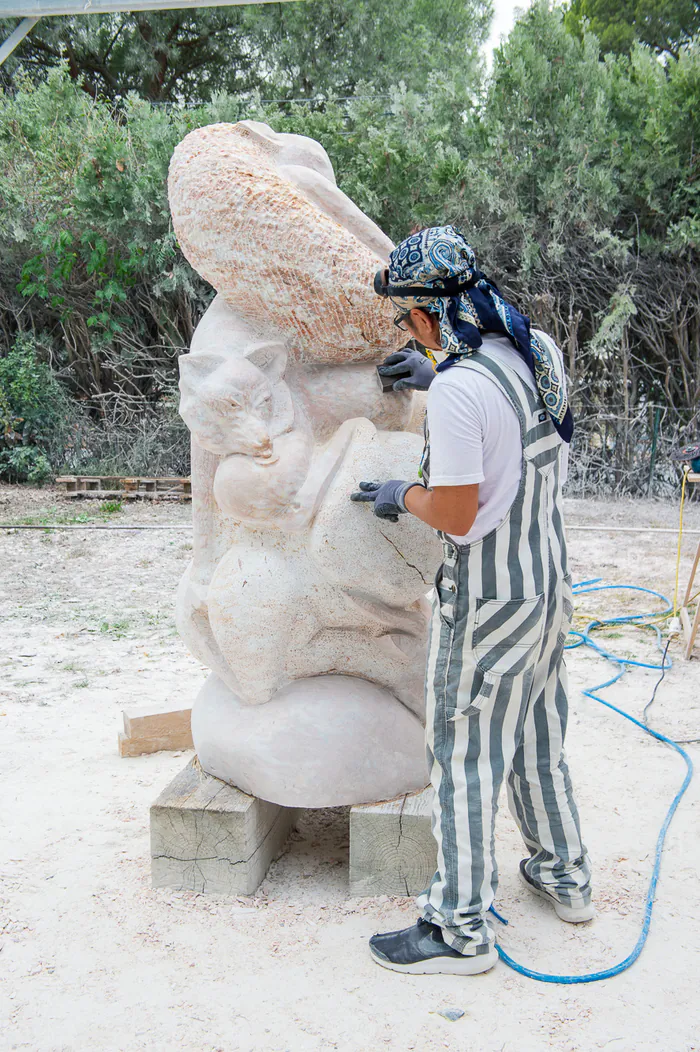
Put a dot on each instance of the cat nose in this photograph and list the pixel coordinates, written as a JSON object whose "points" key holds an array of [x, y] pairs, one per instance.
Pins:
{"points": [[261, 442]]}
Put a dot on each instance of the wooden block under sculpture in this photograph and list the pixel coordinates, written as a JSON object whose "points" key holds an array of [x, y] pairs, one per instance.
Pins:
{"points": [[207, 836], [392, 849]]}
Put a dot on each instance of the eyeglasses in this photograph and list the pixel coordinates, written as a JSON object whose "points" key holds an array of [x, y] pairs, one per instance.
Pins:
{"points": [[400, 321]]}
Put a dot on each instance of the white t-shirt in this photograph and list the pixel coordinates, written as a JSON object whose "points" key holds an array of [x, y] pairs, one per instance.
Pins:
{"points": [[475, 434]]}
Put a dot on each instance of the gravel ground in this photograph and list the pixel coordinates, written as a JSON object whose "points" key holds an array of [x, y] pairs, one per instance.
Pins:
{"points": [[94, 960]]}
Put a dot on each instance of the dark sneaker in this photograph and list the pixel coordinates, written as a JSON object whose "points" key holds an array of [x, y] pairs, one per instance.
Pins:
{"points": [[421, 950], [570, 914]]}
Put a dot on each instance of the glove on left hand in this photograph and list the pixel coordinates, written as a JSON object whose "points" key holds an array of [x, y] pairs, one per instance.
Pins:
{"points": [[387, 497], [414, 369]]}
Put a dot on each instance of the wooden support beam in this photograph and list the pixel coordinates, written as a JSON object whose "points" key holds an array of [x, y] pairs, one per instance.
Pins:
{"points": [[690, 631], [691, 579], [392, 848], [155, 729], [207, 836]]}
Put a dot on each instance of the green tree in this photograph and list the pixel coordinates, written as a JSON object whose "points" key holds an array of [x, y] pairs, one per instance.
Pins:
{"points": [[286, 50], [577, 179], [34, 412], [87, 242], [665, 25], [162, 56], [331, 46]]}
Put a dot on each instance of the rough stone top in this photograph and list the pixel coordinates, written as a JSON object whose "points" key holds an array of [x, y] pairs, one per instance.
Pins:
{"points": [[259, 216]]}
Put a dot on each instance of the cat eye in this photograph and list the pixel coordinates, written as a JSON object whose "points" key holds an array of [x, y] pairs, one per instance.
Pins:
{"points": [[234, 404]]}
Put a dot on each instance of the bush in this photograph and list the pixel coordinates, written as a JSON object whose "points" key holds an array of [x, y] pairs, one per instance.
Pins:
{"points": [[575, 177], [24, 464], [36, 414]]}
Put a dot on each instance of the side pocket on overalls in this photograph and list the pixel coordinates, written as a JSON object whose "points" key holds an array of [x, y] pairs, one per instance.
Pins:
{"points": [[567, 604], [506, 638], [446, 593]]}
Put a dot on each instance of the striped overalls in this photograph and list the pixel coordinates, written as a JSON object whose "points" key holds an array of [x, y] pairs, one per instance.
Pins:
{"points": [[496, 692]]}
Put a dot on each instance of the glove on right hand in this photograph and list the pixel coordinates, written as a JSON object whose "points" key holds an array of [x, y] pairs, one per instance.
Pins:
{"points": [[413, 362], [387, 498]]}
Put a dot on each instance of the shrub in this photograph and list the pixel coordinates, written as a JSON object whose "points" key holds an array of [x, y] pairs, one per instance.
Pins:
{"points": [[35, 413], [575, 177]]}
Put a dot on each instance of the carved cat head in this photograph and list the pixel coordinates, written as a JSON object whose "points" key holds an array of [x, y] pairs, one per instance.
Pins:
{"points": [[235, 404]]}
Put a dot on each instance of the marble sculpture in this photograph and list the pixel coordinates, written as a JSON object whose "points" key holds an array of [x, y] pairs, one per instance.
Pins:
{"points": [[310, 612]]}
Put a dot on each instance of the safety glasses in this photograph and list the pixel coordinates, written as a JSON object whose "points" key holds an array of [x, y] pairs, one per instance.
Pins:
{"points": [[400, 321]]}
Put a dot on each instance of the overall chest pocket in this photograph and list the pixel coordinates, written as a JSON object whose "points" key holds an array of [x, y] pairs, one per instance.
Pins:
{"points": [[507, 634]]}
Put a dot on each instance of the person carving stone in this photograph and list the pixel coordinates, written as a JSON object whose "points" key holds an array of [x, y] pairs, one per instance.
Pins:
{"points": [[497, 431]]}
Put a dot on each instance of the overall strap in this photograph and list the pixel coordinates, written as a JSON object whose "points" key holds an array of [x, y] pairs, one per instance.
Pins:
{"points": [[541, 443]]}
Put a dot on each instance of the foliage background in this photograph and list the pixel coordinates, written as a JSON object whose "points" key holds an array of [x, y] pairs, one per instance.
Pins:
{"points": [[573, 170]]}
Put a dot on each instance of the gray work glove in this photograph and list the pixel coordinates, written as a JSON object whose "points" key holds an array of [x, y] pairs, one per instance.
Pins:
{"points": [[387, 497], [419, 367]]}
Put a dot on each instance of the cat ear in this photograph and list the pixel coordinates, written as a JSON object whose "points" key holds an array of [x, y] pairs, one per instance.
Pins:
{"points": [[270, 358], [195, 368]]}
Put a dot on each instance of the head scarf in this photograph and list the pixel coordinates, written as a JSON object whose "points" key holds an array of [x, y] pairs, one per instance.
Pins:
{"points": [[440, 253]]}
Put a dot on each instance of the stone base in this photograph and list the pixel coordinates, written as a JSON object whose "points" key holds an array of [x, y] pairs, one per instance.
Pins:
{"points": [[207, 836], [392, 849]]}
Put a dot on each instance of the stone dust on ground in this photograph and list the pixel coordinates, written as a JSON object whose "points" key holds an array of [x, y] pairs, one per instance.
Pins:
{"points": [[93, 959]]}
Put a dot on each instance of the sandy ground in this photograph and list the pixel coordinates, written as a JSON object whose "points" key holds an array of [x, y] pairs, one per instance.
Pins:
{"points": [[94, 960]]}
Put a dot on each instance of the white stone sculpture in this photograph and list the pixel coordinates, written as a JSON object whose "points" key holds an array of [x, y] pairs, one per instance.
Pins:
{"points": [[310, 612]]}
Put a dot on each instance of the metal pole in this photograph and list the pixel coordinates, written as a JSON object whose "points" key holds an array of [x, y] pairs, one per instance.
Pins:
{"points": [[16, 38], [44, 8]]}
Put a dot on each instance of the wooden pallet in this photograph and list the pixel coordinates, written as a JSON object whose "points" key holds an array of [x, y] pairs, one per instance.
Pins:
{"points": [[102, 487]]}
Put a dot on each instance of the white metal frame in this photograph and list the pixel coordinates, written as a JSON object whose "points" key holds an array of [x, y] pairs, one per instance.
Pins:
{"points": [[30, 11]]}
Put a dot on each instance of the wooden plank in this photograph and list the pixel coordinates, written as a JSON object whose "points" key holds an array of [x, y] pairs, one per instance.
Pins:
{"points": [[155, 729], [392, 849], [690, 631], [117, 487], [118, 494], [691, 579], [209, 837], [128, 483]]}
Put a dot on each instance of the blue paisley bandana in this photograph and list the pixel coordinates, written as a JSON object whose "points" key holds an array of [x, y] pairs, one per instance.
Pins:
{"points": [[440, 252]]}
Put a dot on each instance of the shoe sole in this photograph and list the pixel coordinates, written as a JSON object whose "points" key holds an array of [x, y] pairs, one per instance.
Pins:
{"points": [[443, 965], [570, 914]]}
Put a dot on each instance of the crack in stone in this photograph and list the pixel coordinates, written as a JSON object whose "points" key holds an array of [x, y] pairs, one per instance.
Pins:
{"points": [[200, 833], [404, 557], [403, 804], [205, 858], [398, 844]]}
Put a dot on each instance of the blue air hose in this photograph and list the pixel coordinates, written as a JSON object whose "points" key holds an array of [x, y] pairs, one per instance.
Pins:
{"points": [[584, 639]]}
